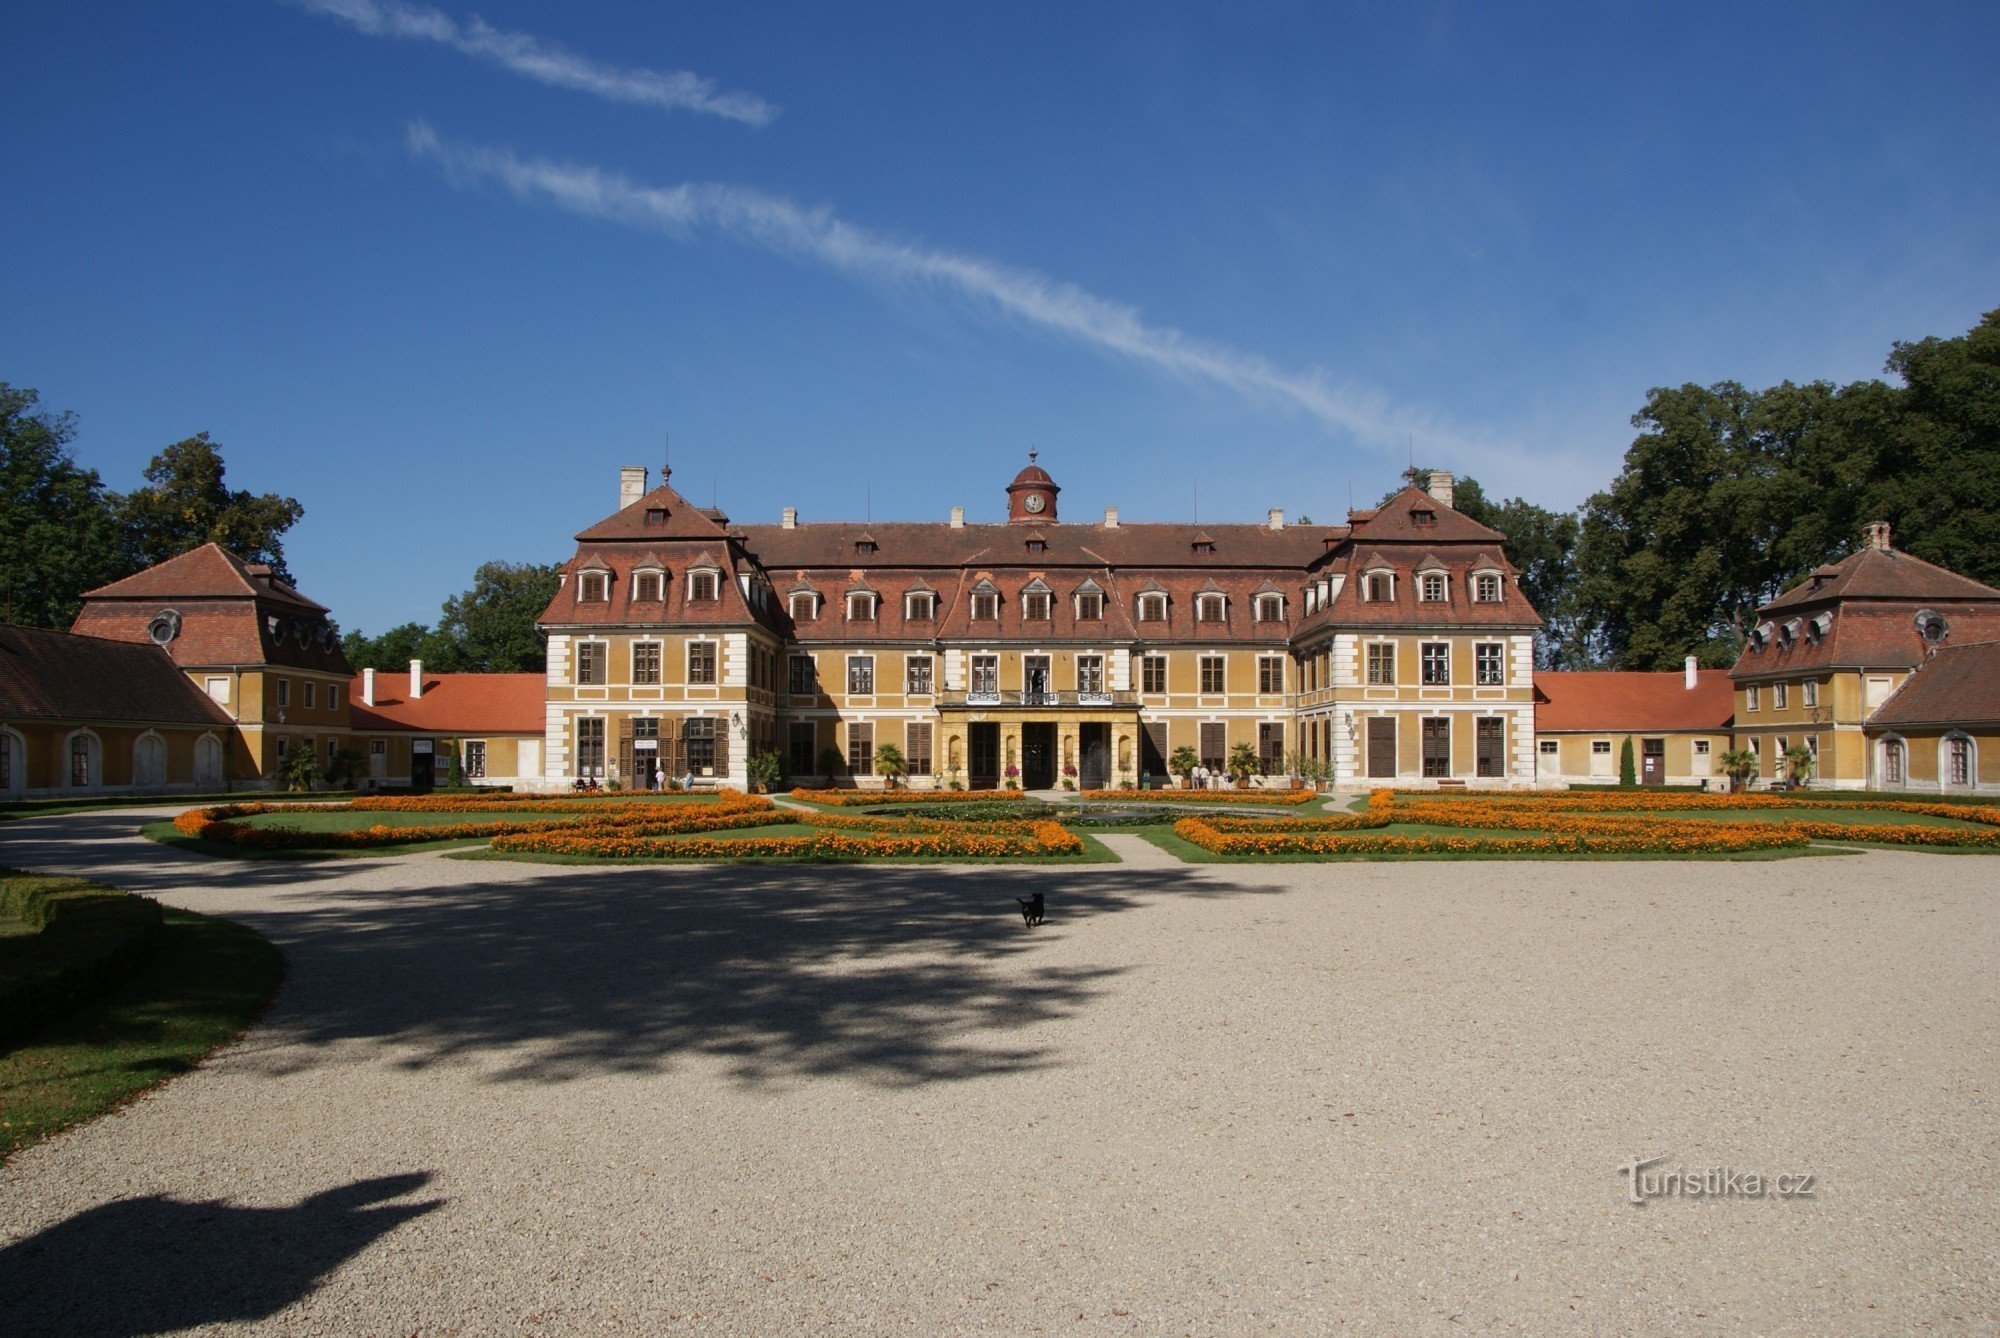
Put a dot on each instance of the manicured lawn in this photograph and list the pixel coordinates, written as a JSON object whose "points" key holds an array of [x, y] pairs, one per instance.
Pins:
{"points": [[209, 981]]}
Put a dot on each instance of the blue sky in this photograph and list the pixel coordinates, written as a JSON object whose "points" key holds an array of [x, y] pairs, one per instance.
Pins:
{"points": [[439, 272]]}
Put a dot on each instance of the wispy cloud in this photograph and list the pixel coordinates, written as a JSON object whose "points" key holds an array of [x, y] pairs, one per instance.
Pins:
{"points": [[544, 62], [818, 235]]}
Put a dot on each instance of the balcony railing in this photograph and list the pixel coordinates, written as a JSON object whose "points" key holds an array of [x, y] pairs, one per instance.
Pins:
{"points": [[1040, 699]]}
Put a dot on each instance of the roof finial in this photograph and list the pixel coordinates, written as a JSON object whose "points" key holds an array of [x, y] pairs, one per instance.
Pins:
{"points": [[667, 465], [1031, 455]]}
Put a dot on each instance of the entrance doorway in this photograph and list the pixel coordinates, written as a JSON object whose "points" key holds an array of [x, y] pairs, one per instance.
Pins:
{"points": [[1652, 761], [422, 769], [1094, 766], [1038, 757], [982, 743]]}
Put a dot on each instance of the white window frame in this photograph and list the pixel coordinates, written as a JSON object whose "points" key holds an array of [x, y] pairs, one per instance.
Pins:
{"points": [[910, 663], [715, 662], [1425, 660], [1369, 594], [1427, 581], [1211, 608], [865, 600], [1097, 600], [1809, 692], [1275, 603], [926, 598], [1037, 606], [1152, 607], [1752, 698], [657, 576], [1201, 676], [812, 605], [854, 662], [659, 663], [1498, 657], [1485, 581], [1369, 659], [1781, 696], [713, 576], [309, 696], [1146, 662], [985, 606], [593, 586]]}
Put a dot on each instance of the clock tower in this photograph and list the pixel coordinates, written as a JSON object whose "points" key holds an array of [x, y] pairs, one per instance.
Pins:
{"points": [[1031, 497]]}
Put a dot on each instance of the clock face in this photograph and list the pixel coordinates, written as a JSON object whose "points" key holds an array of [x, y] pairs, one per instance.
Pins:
{"points": [[1035, 502]]}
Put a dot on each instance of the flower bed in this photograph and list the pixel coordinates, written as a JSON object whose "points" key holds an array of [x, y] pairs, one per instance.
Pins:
{"points": [[1281, 798], [1281, 837], [223, 823], [865, 798], [953, 840]]}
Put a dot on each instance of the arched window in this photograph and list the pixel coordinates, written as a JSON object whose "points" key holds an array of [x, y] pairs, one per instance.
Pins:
{"points": [[13, 762], [1959, 764], [149, 760], [1893, 762], [208, 762], [86, 761]]}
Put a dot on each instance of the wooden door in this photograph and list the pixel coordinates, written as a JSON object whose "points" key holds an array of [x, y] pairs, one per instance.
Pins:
{"points": [[1653, 761], [1437, 746], [1382, 747], [1491, 752]]}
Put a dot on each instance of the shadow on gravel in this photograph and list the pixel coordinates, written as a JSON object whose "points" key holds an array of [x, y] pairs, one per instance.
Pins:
{"points": [[894, 974], [153, 1264], [108, 847]]}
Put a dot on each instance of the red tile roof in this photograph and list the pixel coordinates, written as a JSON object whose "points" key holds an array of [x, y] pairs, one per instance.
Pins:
{"points": [[1630, 702], [1879, 573], [1960, 685], [48, 675], [231, 613], [451, 704]]}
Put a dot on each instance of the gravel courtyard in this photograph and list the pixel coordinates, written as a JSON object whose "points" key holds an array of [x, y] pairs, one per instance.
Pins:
{"points": [[498, 1097]]}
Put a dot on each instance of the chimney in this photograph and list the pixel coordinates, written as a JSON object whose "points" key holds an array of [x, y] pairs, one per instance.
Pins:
{"points": [[1276, 518], [416, 679], [1440, 488], [958, 517], [1876, 534], [631, 485], [367, 687], [790, 520], [1693, 677], [1110, 517]]}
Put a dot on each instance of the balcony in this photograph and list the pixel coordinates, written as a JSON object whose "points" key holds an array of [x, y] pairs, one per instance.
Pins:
{"points": [[1048, 700]]}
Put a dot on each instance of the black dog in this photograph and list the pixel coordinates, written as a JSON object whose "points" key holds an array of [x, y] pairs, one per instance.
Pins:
{"points": [[1031, 910]]}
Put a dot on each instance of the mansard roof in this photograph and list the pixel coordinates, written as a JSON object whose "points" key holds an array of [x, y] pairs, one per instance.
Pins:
{"points": [[659, 514], [229, 613], [1399, 520], [1880, 573], [1132, 544]]}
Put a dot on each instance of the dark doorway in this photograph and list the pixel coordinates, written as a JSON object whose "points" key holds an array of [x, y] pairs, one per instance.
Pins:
{"points": [[423, 770], [1492, 746], [1381, 747], [1038, 757], [1094, 766], [1652, 761], [982, 743], [1153, 751]]}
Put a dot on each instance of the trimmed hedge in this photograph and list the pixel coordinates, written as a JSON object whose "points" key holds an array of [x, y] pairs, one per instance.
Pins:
{"points": [[87, 938]]}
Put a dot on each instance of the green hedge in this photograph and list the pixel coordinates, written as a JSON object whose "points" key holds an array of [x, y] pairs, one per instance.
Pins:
{"points": [[71, 940]]}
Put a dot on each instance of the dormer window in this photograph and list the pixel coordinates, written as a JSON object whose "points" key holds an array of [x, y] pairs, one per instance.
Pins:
{"points": [[1379, 587], [861, 606], [1270, 608], [1038, 545], [985, 607], [1312, 598], [1431, 587], [656, 515], [1204, 545], [594, 587], [864, 546], [1035, 606], [1089, 606], [1152, 608], [1423, 516], [1210, 609], [1788, 633], [1486, 588], [702, 586], [646, 587], [804, 605], [919, 606]]}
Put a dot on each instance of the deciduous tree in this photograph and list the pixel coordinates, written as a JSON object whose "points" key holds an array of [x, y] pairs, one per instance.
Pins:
{"points": [[58, 528], [186, 504]]}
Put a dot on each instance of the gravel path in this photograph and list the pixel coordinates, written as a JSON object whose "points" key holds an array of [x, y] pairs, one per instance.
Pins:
{"points": [[499, 1097]]}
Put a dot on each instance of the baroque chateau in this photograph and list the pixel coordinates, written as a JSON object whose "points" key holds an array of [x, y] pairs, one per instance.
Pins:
{"points": [[1397, 646], [1394, 649]]}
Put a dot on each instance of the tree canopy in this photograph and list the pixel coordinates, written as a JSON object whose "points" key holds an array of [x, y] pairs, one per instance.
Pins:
{"points": [[186, 504], [1728, 495], [59, 533], [487, 629]]}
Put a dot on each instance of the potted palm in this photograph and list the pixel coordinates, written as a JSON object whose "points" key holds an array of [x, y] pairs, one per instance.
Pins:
{"points": [[889, 765], [1182, 764]]}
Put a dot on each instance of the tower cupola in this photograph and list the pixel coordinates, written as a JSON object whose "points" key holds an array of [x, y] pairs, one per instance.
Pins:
{"points": [[1031, 497]]}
